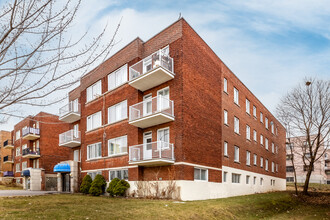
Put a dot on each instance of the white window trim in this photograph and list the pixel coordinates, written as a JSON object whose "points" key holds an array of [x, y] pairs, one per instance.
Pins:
{"points": [[123, 83], [236, 160], [92, 121], [225, 146], [225, 85], [117, 154], [119, 103], [116, 170], [93, 96], [236, 101], [236, 125], [207, 174], [88, 156], [247, 106], [225, 116]]}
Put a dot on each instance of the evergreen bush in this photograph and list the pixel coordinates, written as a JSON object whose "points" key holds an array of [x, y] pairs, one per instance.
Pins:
{"points": [[86, 184], [112, 185], [121, 188], [98, 185]]}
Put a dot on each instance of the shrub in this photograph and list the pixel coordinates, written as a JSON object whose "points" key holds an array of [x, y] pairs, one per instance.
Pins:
{"points": [[99, 179], [98, 185], [86, 184], [121, 188], [117, 187], [112, 186]]}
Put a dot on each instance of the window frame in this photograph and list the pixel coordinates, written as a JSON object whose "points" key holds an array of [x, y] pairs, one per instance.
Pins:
{"points": [[236, 154], [94, 145], [123, 70], [114, 107], [236, 96], [92, 92], [236, 125], [225, 85], [225, 148], [200, 174], [247, 106], [90, 121], [121, 141]]}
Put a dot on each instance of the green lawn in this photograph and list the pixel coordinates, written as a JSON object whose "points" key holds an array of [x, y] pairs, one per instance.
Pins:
{"points": [[277, 205], [3, 187]]}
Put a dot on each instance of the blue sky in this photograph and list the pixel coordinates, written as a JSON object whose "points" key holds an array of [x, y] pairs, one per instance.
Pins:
{"points": [[269, 45]]}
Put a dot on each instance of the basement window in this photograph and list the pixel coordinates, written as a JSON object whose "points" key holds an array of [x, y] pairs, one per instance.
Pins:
{"points": [[200, 174]]}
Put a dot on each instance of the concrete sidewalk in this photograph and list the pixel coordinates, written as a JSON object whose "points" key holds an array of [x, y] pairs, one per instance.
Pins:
{"points": [[9, 193]]}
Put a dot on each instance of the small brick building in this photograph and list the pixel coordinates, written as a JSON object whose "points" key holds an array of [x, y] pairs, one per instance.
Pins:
{"points": [[169, 109], [36, 151], [6, 156]]}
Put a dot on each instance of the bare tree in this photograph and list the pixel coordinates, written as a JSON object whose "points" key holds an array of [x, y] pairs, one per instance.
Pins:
{"points": [[306, 112], [39, 57]]}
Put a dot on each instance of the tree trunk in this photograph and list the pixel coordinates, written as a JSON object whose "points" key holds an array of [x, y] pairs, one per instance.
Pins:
{"points": [[308, 176]]}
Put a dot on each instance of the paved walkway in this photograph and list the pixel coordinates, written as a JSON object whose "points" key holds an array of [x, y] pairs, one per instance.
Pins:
{"points": [[7, 193]]}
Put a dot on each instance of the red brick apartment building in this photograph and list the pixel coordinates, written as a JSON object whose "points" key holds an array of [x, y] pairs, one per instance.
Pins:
{"points": [[170, 109], [37, 151], [6, 156]]}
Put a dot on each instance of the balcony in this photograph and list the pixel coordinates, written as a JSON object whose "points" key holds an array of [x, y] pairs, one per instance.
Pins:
{"points": [[8, 160], [70, 112], [8, 144], [28, 153], [70, 138], [30, 133], [151, 112], [152, 154], [152, 71], [8, 174]]}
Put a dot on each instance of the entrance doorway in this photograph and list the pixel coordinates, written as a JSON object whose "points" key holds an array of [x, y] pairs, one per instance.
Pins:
{"points": [[65, 182]]}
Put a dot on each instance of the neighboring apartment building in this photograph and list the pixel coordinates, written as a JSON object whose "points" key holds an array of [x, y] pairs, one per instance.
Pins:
{"points": [[321, 171], [6, 158], [37, 151], [170, 109]]}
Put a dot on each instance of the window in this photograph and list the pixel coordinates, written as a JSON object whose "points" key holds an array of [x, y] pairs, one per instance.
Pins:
{"points": [[236, 96], [120, 174], [200, 174], [18, 167], [254, 159], [248, 156], [225, 86], [247, 105], [290, 179], [261, 139], [248, 134], [289, 168], [225, 117], [24, 147], [94, 121], [273, 167], [93, 174], [224, 177], [24, 165], [261, 162], [273, 147], [272, 126], [266, 143], [94, 151], [236, 157], [18, 135], [225, 149], [36, 163], [117, 145], [255, 135], [276, 149], [254, 111], [235, 178], [18, 151], [261, 117], [266, 122], [94, 91], [254, 180], [117, 78], [76, 155], [261, 181], [276, 167], [247, 179], [266, 165], [289, 156], [236, 125], [117, 112]]}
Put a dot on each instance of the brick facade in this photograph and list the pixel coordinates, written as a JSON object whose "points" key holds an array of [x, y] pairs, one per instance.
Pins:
{"points": [[50, 152], [198, 131], [4, 136]]}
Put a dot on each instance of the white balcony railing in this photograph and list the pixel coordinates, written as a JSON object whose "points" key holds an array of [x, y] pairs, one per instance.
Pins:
{"points": [[157, 150], [30, 130], [158, 104], [72, 107], [159, 58], [68, 137]]}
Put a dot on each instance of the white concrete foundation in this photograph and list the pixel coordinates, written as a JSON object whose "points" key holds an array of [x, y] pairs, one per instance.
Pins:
{"points": [[201, 190]]}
